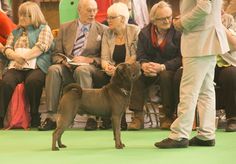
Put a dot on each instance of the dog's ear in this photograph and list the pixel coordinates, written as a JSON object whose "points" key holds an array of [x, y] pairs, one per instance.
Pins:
{"points": [[123, 70], [127, 71]]}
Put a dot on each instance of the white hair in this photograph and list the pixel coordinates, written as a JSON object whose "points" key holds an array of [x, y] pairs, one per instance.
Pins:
{"points": [[81, 3], [119, 9], [161, 4]]}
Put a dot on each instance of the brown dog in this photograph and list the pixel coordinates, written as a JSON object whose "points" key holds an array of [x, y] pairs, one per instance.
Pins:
{"points": [[109, 101]]}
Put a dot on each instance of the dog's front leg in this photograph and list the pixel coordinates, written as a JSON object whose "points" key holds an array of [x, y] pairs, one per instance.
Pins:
{"points": [[116, 120]]}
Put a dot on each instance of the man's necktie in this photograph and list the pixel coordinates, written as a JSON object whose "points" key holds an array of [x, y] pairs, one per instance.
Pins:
{"points": [[79, 43]]}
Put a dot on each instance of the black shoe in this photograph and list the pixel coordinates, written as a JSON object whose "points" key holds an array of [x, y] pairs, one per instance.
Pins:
{"points": [[197, 142], [1, 122], [123, 125], [231, 126], [47, 124], [91, 124], [106, 124], [169, 143]]}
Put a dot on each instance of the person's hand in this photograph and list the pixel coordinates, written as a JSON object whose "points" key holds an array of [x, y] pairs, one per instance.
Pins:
{"points": [[82, 59], [19, 59], [18, 66], [177, 23], [12, 55], [155, 67], [110, 69], [149, 69], [66, 64]]}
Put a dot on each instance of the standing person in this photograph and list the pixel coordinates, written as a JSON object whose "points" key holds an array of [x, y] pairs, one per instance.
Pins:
{"points": [[202, 39], [4, 5], [80, 41], [102, 10], [140, 12], [34, 35], [159, 54]]}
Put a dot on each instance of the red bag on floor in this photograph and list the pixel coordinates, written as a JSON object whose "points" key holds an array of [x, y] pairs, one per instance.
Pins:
{"points": [[17, 115]]}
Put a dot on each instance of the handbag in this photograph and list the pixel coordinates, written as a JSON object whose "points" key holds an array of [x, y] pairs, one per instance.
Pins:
{"points": [[17, 115]]}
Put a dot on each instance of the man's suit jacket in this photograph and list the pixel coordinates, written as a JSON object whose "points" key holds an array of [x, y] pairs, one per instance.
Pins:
{"points": [[203, 32], [66, 38]]}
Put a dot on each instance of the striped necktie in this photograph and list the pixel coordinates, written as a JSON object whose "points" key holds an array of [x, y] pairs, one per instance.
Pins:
{"points": [[79, 43]]}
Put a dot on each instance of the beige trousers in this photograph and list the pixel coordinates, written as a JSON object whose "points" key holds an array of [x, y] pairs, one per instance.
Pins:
{"points": [[196, 91]]}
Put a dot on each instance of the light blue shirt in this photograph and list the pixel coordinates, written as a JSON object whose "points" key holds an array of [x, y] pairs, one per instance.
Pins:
{"points": [[83, 28]]}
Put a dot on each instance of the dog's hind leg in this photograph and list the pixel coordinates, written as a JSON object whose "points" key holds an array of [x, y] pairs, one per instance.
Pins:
{"points": [[63, 121], [116, 120], [56, 139]]}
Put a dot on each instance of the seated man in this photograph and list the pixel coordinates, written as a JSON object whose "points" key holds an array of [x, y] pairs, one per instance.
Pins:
{"points": [[230, 7], [225, 72], [159, 54], [80, 41]]}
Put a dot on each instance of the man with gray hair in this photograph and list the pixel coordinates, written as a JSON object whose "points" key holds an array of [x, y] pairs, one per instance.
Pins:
{"points": [[158, 51], [79, 42]]}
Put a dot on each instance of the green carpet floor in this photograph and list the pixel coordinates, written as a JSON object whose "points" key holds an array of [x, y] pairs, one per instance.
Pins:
{"points": [[34, 147]]}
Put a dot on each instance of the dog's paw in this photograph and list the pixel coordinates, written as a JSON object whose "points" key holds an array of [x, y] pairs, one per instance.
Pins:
{"points": [[123, 145], [55, 149], [62, 146], [120, 146]]}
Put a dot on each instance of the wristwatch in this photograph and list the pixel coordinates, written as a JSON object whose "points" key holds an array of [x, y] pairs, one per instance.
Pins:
{"points": [[163, 67]]}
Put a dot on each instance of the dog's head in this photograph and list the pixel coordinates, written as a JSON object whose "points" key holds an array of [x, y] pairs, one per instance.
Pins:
{"points": [[127, 73]]}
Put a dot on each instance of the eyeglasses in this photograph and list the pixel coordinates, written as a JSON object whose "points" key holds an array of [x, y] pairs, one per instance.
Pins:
{"points": [[164, 19], [112, 17]]}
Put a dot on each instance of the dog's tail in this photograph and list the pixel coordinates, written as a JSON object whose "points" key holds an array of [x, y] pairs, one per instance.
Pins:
{"points": [[73, 86]]}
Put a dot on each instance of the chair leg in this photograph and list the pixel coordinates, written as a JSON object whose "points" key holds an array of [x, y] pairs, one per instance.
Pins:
{"points": [[150, 110]]}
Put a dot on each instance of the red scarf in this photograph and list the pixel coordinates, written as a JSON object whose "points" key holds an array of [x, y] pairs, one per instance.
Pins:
{"points": [[154, 39]]}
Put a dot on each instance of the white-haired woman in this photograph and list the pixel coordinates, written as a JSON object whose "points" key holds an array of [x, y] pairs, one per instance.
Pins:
{"points": [[118, 44], [33, 36]]}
